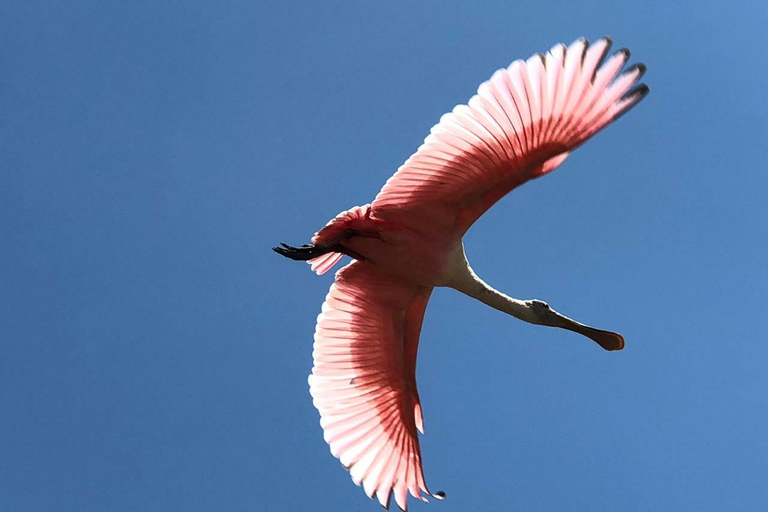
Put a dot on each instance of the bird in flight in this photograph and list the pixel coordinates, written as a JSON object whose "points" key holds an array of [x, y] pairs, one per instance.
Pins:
{"points": [[521, 125]]}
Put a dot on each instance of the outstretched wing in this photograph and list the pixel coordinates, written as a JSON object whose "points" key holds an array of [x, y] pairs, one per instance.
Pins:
{"points": [[520, 125], [363, 380]]}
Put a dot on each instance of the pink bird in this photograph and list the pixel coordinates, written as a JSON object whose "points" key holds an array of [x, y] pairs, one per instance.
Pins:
{"points": [[520, 125]]}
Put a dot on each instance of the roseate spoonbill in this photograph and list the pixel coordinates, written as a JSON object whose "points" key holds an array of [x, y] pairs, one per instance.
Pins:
{"points": [[520, 125]]}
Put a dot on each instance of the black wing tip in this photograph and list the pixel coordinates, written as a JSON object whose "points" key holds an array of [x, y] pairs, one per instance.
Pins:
{"points": [[439, 495], [625, 51], [385, 505], [637, 93], [632, 98], [609, 42], [640, 68]]}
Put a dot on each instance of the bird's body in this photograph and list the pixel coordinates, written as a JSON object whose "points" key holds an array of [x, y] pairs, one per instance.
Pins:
{"points": [[404, 253], [521, 125]]}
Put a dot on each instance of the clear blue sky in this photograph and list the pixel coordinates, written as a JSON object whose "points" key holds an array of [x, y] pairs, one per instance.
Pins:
{"points": [[155, 351]]}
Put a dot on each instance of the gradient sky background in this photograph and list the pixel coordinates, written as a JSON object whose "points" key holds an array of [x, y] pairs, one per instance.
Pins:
{"points": [[155, 351]]}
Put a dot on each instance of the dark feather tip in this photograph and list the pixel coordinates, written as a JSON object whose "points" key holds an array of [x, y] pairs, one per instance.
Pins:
{"points": [[639, 92], [639, 67]]}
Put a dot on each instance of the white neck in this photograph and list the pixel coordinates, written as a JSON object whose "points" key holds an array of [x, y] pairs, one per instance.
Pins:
{"points": [[460, 276]]}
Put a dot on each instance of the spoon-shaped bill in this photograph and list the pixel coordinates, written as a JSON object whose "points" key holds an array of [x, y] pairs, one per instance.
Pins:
{"points": [[606, 339]]}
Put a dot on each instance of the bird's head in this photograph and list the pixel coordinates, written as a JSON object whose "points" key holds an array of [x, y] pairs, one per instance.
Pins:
{"points": [[541, 312]]}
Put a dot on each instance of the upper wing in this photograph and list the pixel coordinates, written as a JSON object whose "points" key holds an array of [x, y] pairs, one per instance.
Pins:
{"points": [[521, 124], [363, 380]]}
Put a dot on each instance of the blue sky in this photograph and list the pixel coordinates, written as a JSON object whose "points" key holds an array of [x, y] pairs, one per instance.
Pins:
{"points": [[155, 351]]}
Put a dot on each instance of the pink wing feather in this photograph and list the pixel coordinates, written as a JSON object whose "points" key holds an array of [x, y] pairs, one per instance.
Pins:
{"points": [[522, 124], [363, 380]]}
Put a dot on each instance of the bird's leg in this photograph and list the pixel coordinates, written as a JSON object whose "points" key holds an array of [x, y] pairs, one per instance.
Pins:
{"points": [[310, 251]]}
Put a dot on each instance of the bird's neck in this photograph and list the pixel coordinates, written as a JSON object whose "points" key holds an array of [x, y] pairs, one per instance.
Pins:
{"points": [[460, 276]]}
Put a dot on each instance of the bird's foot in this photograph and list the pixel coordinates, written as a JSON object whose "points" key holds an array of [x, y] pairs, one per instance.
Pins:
{"points": [[303, 253]]}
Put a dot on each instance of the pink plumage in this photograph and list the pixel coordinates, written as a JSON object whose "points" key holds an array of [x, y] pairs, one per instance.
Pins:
{"points": [[522, 124], [363, 381]]}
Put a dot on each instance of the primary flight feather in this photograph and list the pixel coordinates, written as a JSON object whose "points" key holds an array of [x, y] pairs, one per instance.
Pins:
{"points": [[521, 124]]}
